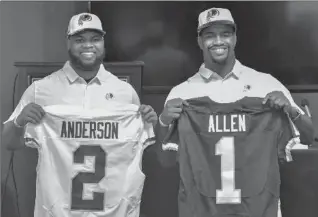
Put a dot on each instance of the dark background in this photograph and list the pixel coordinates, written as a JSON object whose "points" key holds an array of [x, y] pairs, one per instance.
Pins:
{"points": [[274, 37]]}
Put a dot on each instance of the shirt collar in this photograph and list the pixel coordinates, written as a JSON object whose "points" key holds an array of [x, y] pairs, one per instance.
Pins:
{"points": [[102, 74], [208, 74]]}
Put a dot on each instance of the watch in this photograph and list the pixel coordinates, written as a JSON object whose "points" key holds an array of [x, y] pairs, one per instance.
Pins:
{"points": [[161, 123]]}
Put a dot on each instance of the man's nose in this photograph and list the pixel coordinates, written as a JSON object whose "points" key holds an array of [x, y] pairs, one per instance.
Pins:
{"points": [[218, 40], [88, 44]]}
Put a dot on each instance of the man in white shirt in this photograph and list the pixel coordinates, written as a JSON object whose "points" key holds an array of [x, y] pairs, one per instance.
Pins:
{"points": [[82, 81], [224, 79]]}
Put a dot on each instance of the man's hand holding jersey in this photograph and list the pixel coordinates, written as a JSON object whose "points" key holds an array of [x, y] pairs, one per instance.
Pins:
{"points": [[171, 111], [31, 113], [148, 114], [278, 100]]}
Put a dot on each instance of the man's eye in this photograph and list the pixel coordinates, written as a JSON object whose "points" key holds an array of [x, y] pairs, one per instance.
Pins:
{"points": [[79, 40], [97, 39], [208, 35], [227, 34]]}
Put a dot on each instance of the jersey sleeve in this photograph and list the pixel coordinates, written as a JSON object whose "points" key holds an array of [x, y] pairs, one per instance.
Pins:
{"points": [[31, 136], [148, 135], [288, 138], [27, 97], [167, 151]]}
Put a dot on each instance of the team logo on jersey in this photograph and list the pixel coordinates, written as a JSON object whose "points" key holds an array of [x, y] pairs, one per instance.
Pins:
{"points": [[247, 88], [212, 13], [109, 96], [84, 18]]}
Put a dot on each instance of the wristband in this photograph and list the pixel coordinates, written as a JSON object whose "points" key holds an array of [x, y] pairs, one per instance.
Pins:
{"points": [[161, 123]]}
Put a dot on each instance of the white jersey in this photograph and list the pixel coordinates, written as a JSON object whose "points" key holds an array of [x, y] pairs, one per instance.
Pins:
{"points": [[89, 161]]}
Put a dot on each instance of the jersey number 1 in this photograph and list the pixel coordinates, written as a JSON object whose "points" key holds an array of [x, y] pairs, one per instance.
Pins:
{"points": [[97, 203], [228, 194]]}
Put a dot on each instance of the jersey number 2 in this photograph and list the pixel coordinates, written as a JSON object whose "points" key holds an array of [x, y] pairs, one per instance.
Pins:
{"points": [[228, 194], [97, 203]]}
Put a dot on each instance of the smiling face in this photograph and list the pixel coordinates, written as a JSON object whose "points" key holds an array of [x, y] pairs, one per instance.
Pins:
{"points": [[218, 43], [86, 50]]}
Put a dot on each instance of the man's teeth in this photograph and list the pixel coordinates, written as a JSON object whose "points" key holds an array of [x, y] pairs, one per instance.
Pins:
{"points": [[88, 54], [220, 50]]}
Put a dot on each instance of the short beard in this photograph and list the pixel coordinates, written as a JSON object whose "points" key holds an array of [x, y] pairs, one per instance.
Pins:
{"points": [[76, 62], [215, 61], [219, 62]]}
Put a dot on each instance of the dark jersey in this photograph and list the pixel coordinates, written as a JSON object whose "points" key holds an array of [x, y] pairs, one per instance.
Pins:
{"points": [[229, 156]]}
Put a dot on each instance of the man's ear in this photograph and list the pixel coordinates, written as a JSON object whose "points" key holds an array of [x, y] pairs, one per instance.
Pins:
{"points": [[200, 43], [68, 42]]}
